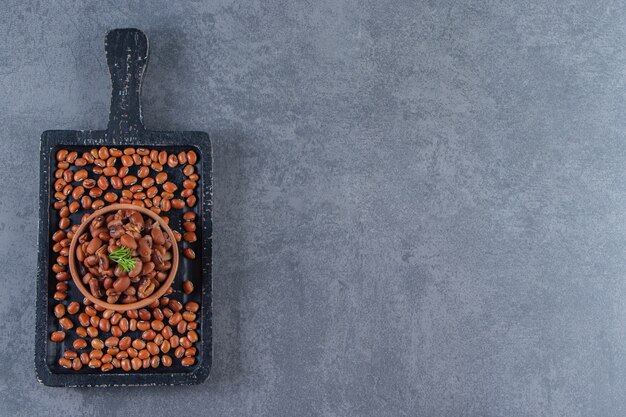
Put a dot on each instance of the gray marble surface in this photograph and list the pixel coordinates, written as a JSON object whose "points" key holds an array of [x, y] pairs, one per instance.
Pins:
{"points": [[420, 208]]}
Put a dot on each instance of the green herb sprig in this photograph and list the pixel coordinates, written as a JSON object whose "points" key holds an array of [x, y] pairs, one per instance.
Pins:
{"points": [[123, 258]]}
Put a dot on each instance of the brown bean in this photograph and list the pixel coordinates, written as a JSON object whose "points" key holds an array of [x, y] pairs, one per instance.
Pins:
{"points": [[129, 151], [121, 284], [103, 183], [188, 285], [157, 325], [66, 323], [166, 360], [77, 364], [156, 166], [165, 205], [129, 180], [94, 320], [161, 177], [92, 331], [126, 364], [129, 241], [179, 352], [174, 341], [81, 175], [157, 236], [124, 324], [59, 295], [138, 344], [97, 344], [165, 346], [175, 319], [127, 160], [59, 184], [185, 342], [143, 172], [61, 154], [106, 367], [83, 319], [192, 336], [95, 363], [172, 161], [192, 157], [64, 212], [74, 206], [110, 197], [104, 325], [57, 336], [80, 162], [94, 245], [182, 158], [144, 314], [167, 332], [73, 307], [194, 178], [189, 316], [159, 339], [79, 344], [190, 237], [162, 158], [70, 354], [97, 204], [115, 152], [59, 310], [96, 354], [192, 306], [152, 348], [189, 226], [189, 170], [71, 157], [147, 182], [191, 352], [64, 223], [116, 331], [136, 363], [143, 325], [84, 358], [89, 183], [191, 201], [177, 203], [181, 327], [88, 157], [58, 236], [190, 185], [175, 305], [148, 334], [111, 341], [66, 363], [125, 343], [154, 155], [103, 153], [136, 159]]}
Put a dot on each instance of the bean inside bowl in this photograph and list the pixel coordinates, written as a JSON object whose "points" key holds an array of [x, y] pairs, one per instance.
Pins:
{"points": [[123, 257]]}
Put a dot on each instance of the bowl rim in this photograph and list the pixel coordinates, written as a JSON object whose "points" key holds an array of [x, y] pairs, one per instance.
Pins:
{"points": [[137, 304]]}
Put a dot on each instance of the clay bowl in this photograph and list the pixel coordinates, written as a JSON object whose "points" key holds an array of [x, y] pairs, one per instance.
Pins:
{"points": [[138, 304]]}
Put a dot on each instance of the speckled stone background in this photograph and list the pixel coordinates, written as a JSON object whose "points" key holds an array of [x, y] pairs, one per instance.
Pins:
{"points": [[420, 207]]}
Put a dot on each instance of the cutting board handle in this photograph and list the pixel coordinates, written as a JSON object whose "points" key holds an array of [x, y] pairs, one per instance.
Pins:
{"points": [[127, 57]]}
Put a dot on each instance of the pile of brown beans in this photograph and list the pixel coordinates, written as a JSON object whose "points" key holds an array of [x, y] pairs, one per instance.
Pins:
{"points": [[86, 182], [156, 336], [148, 244]]}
